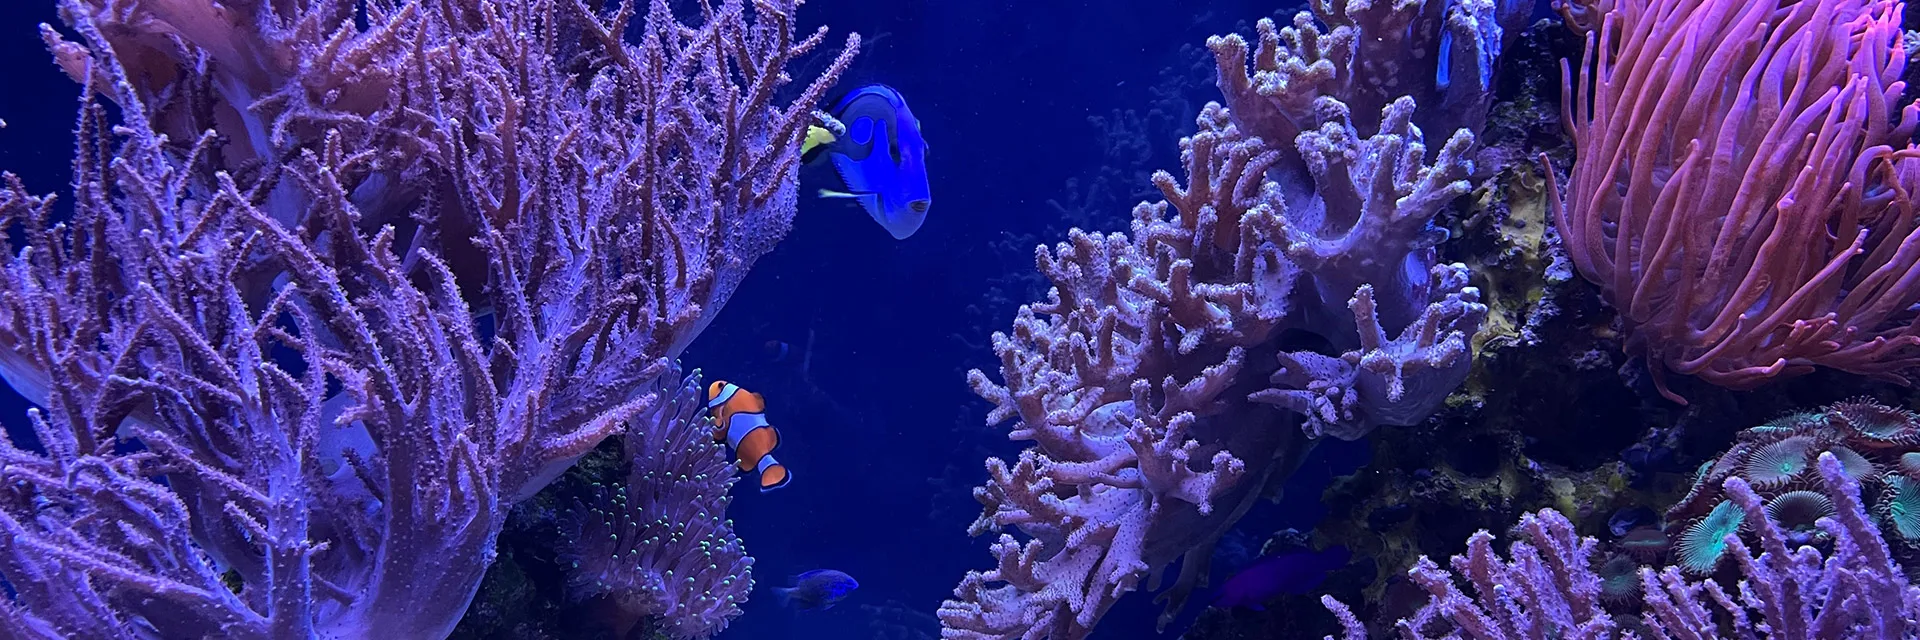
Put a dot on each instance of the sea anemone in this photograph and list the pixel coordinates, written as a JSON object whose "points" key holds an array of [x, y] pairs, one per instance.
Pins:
{"points": [[1704, 541], [1857, 466], [1778, 463], [1876, 424], [1910, 465], [1645, 544], [1900, 506], [1792, 423], [1797, 512], [1619, 580]]}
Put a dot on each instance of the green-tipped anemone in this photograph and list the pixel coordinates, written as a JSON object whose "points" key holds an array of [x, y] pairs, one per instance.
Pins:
{"points": [[1645, 544], [1779, 463], [1791, 423], [1876, 421], [1702, 544], [1857, 466], [1797, 511], [1619, 580], [1900, 506], [1910, 465]]}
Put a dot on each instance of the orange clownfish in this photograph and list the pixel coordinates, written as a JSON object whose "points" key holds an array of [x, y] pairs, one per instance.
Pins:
{"points": [[740, 420]]}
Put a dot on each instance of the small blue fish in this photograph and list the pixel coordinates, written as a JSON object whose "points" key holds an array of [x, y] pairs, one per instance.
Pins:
{"points": [[1294, 572], [881, 161], [817, 589]]}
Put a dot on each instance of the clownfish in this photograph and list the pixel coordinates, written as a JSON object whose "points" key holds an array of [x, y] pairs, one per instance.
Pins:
{"points": [[740, 420]]}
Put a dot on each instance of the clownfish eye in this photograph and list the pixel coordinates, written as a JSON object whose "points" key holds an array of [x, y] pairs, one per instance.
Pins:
{"points": [[920, 206]]}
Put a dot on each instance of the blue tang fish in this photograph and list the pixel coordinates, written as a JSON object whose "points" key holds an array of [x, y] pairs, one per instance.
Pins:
{"points": [[881, 161], [1294, 572], [817, 589]]}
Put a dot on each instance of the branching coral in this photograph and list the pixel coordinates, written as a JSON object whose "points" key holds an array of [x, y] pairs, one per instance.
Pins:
{"points": [[292, 205], [1367, 55], [1148, 379], [1736, 194], [1121, 482], [1547, 587]]}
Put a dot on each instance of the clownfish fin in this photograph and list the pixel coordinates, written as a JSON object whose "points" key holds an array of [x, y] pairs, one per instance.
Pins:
{"points": [[773, 475]]}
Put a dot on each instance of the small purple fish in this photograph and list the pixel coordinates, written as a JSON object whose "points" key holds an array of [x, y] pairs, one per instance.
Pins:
{"points": [[817, 589], [1294, 572]]}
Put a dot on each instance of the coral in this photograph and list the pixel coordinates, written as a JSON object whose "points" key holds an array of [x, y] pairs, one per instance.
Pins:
{"points": [[1517, 432], [1547, 587], [1431, 486], [1533, 443], [330, 299], [1522, 265], [1205, 288], [1776, 460], [659, 546], [1121, 479], [1736, 194], [1367, 56], [1701, 544], [1147, 380]]}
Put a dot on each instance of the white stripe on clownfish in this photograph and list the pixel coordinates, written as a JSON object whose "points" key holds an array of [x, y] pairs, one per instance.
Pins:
{"points": [[741, 424], [726, 393]]}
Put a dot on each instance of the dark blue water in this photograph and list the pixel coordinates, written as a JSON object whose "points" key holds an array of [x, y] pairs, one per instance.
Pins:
{"points": [[884, 437]]}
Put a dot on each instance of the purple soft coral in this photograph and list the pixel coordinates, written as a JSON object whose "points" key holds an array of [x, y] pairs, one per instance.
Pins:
{"points": [[1149, 379], [268, 410], [1548, 588]]}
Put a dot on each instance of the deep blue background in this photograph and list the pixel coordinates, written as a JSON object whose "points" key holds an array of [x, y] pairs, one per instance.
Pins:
{"points": [[883, 436]]}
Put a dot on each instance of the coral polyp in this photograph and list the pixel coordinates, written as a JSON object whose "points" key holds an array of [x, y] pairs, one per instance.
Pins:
{"points": [[1873, 443]]}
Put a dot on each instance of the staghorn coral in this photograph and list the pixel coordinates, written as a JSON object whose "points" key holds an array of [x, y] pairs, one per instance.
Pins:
{"points": [[1736, 192], [268, 408], [658, 546], [1547, 586]]}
